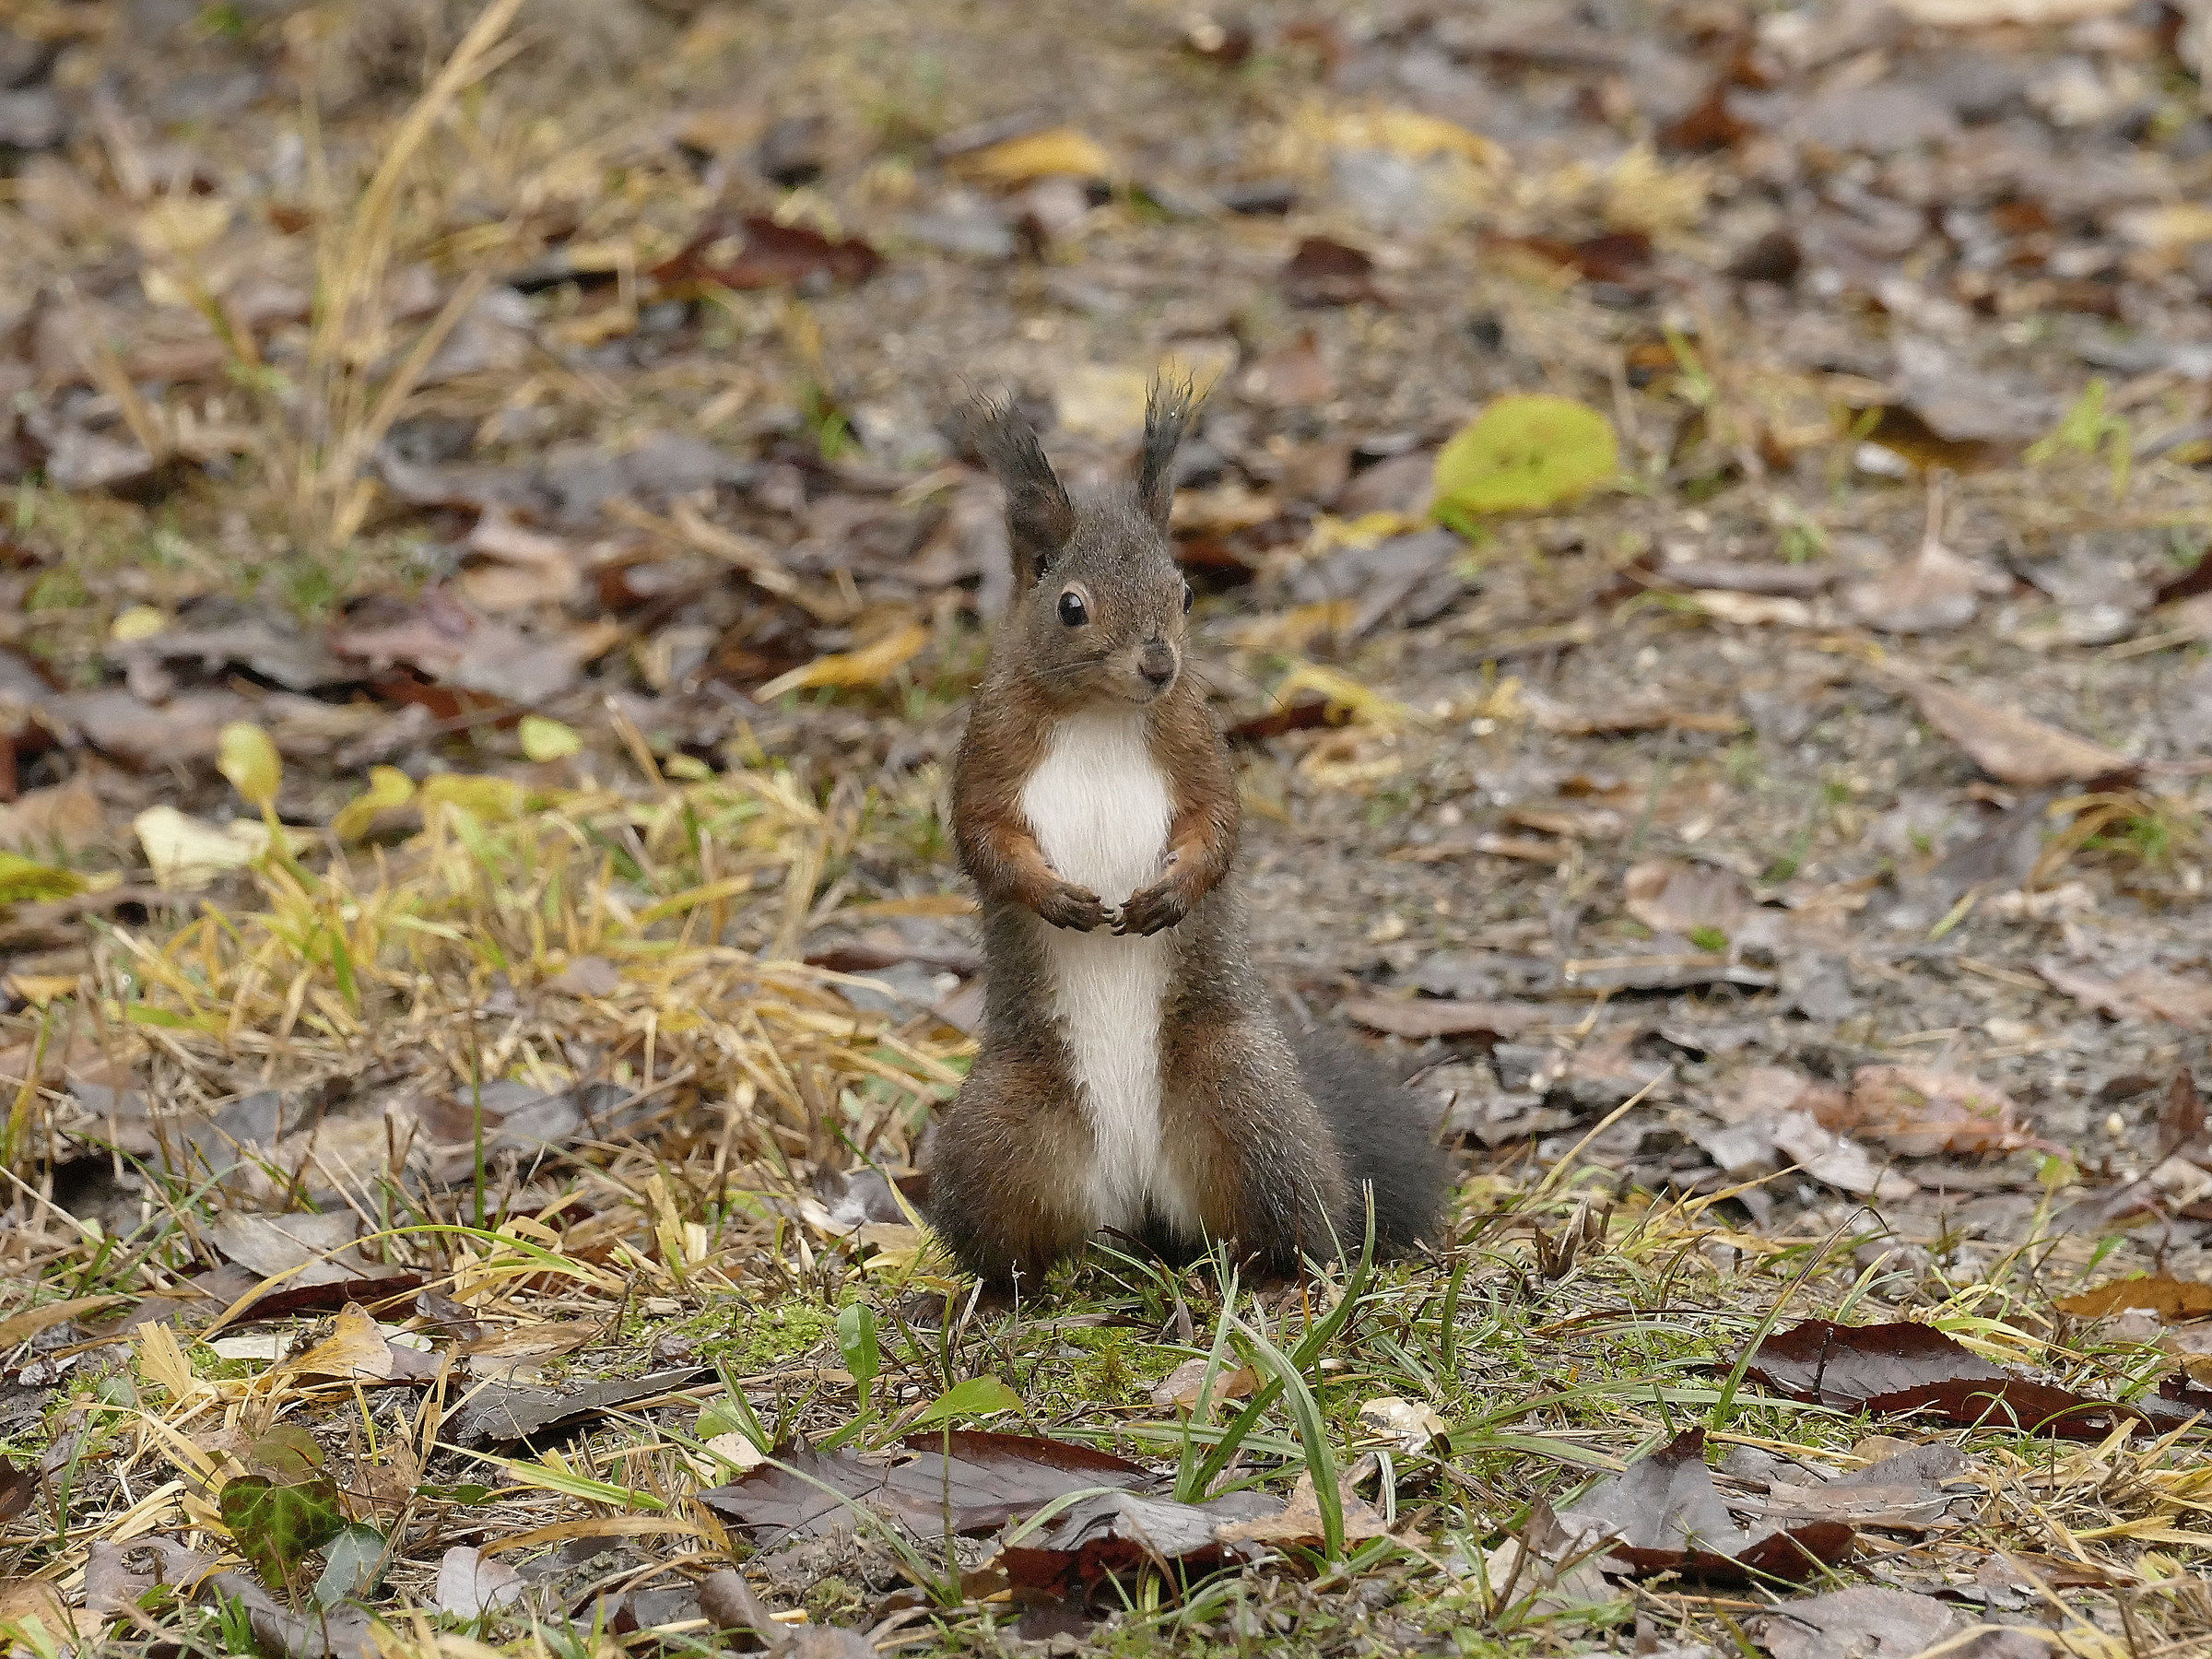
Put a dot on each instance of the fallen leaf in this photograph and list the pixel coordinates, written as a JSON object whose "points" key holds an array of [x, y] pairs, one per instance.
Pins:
{"points": [[1663, 1513], [1409, 1428], [545, 740], [186, 853], [1101, 1540], [117, 1576], [248, 762], [1057, 152], [758, 253], [730, 1604], [1415, 136], [358, 1350], [1425, 1016], [515, 566], [1183, 1387], [1299, 1523], [24, 879], [1919, 1111], [987, 1480], [64, 817], [1866, 1621], [1902, 1493], [471, 1584], [506, 1411], [1903, 1368], [2142, 994], [36, 1603], [1526, 452], [1674, 896], [341, 1632], [1933, 592], [2171, 1299], [2011, 748], [19, 1489], [869, 666], [1326, 272], [27, 1322], [306, 1249], [389, 789]]}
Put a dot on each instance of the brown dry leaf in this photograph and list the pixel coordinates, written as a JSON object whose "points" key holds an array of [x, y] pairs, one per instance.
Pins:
{"points": [[1663, 1513], [1902, 1368], [1673, 895], [1183, 1386], [519, 1355], [869, 666], [758, 253], [2171, 1298], [1867, 1621], [22, 1325], [24, 1602], [1934, 592], [63, 817], [1919, 1111], [2011, 748], [2142, 993], [518, 567], [357, 1350], [1425, 1016], [1299, 1523]]}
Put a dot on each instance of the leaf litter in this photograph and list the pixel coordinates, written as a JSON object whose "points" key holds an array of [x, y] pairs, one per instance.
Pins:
{"points": [[488, 586]]}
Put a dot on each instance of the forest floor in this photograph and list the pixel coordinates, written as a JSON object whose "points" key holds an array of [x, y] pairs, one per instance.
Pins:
{"points": [[489, 585]]}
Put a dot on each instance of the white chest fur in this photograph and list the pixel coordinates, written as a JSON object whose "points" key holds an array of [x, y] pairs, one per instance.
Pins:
{"points": [[1100, 809]]}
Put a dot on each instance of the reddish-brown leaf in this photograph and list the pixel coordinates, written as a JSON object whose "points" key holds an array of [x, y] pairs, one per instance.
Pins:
{"points": [[1664, 1514], [761, 254], [1902, 1368], [1324, 272]]}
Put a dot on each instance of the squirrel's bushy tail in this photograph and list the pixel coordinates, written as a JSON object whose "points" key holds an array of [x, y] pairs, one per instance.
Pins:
{"points": [[1383, 1134]]}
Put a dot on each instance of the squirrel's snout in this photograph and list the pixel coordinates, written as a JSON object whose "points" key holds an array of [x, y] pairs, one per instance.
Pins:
{"points": [[1156, 664]]}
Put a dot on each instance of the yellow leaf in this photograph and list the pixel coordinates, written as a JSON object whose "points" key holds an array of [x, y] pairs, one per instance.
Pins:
{"points": [[1060, 151], [870, 666], [1525, 451], [1415, 137], [388, 788], [182, 224], [249, 760], [23, 1325], [23, 878], [1341, 691], [1096, 400], [187, 852], [39, 988], [494, 800], [136, 622], [546, 739]]}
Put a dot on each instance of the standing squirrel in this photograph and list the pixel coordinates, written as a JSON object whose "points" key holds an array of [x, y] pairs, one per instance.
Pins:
{"points": [[1133, 1073]]}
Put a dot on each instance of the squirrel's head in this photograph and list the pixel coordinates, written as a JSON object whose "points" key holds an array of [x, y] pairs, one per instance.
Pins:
{"points": [[1097, 614]]}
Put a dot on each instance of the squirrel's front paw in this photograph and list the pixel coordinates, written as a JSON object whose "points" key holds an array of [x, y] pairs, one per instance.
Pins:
{"points": [[1068, 905], [1158, 906]]}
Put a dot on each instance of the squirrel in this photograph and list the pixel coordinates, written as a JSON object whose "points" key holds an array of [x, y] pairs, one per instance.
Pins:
{"points": [[1132, 1074]]}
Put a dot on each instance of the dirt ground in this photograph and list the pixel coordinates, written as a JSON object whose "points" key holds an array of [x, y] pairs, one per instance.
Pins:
{"points": [[536, 431]]}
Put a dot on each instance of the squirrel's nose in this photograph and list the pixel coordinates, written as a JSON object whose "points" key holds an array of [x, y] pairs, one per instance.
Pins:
{"points": [[1156, 664]]}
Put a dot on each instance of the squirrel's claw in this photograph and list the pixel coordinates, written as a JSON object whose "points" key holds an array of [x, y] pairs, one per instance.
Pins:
{"points": [[1159, 906], [1072, 907]]}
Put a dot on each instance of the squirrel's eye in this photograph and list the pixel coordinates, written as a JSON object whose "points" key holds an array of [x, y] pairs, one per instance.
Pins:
{"points": [[1186, 596], [1072, 609]]}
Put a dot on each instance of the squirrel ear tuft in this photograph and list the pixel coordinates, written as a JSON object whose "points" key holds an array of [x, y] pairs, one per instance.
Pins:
{"points": [[1039, 516], [1167, 412]]}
